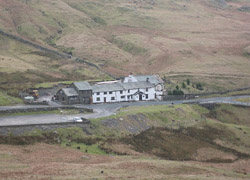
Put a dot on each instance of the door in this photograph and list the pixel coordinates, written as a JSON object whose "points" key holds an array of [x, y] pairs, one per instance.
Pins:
{"points": [[140, 97], [105, 100]]}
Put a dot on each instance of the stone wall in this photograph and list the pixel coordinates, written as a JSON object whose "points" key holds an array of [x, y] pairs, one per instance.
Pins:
{"points": [[35, 109], [63, 55], [18, 130], [192, 96]]}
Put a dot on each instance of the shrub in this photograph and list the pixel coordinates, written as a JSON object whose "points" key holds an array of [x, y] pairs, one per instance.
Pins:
{"points": [[99, 20], [199, 87], [183, 85], [178, 92]]}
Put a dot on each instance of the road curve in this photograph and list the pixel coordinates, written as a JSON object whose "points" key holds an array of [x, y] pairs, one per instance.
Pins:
{"points": [[102, 110]]}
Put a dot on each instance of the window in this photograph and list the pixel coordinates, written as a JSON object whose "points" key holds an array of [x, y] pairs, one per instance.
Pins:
{"points": [[146, 96], [110, 92], [122, 97], [112, 98], [98, 93], [105, 92], [129, 91], [146, 89], [128, 97], [98, 99], [121, 92]]}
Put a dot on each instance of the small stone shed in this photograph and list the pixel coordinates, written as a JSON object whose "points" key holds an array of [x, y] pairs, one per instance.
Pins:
{"points": [[67, 96]]}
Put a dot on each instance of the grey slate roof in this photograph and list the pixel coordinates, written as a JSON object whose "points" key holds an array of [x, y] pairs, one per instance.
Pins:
{"points": [[84, 85], [107, 87], [121, 86], [69, 92], [137, 85], [154, 79]]}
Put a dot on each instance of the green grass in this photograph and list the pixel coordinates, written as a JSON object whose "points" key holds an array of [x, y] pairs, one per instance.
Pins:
{"points": [[129, 47], [6, 100], [232, 114], [160, 115], [232, 136], [235, 93], [191, 88], [91, 149], [72, 135], [51, 84], [191, 111], [247, 100]]}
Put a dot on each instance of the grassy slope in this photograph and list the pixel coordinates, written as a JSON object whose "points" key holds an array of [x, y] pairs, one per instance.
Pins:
{"points": [[66, 163], [138, 119], [205, 140], [201, 129], [23, 66], [172, 38], [8, 100], [195, 128]]}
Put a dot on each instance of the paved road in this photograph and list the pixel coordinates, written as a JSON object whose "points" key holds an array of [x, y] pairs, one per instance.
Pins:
{"points": [[102, 110]]}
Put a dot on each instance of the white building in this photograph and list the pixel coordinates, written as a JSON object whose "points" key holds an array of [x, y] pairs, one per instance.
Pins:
{"points": [[133, 88], [155, 80]]}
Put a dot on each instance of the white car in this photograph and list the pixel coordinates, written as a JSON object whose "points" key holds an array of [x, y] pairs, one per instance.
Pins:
{"points": [[77, 119]]}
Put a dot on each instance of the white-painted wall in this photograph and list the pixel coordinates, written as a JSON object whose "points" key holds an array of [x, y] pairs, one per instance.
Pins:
{"points": [[159, 91], [118, 95], [130, 78]]}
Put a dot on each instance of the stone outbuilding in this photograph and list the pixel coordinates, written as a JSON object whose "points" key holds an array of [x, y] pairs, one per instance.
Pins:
{"points": [[67, 96], [84, 91]]}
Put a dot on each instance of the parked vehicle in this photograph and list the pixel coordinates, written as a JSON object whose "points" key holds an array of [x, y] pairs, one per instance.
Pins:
{"points": [[77, 119], [34, 93]]}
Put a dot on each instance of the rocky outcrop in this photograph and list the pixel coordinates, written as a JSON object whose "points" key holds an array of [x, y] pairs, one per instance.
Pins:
{"points": [[244, 9], [247, 51], [219, 3]]}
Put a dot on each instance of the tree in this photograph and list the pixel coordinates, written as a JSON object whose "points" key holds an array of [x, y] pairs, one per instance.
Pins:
{"points": [[188, 82], [170, 93], [175, 92], [183, 85], [199, 87], [164, 79], [177, 87], [178, 92]]}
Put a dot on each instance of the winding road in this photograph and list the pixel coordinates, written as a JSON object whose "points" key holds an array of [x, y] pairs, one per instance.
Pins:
{"points": [[101, 110]]}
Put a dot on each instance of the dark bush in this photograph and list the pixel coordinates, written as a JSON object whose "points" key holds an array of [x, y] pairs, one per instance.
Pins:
{"points": [[199, 87], [183, 85]]}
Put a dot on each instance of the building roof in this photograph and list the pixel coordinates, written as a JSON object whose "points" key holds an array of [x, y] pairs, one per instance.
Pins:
{"points": [[69, 92], [84, 85], [121, 86], [107, 87], [154, 79], [137, 85]]}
